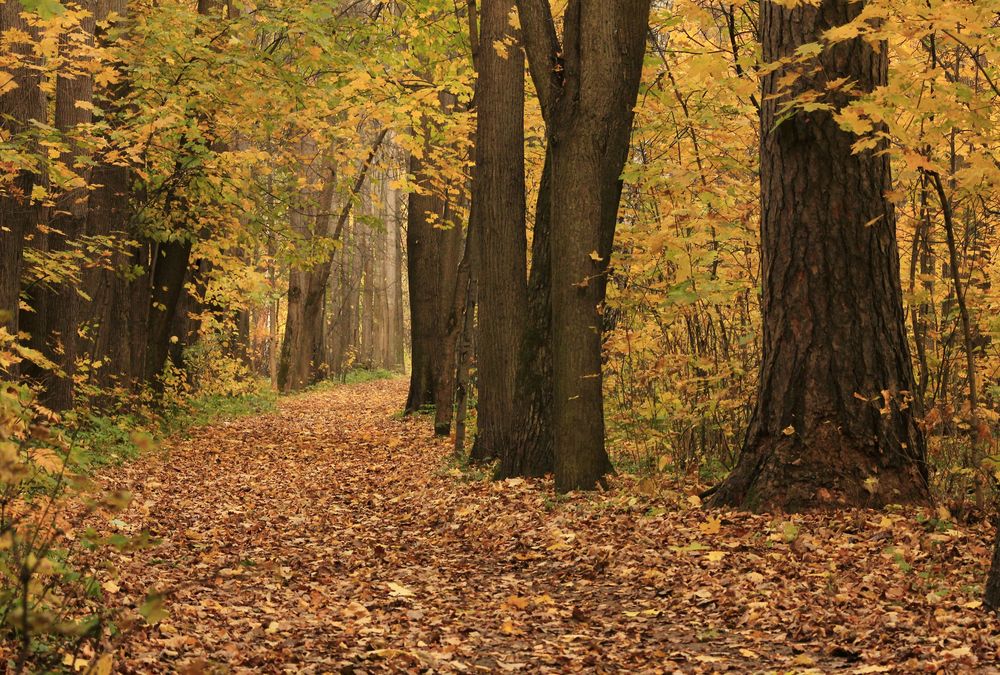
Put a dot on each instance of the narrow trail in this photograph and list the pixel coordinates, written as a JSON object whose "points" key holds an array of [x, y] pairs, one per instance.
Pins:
{"points": [[330, 536]]}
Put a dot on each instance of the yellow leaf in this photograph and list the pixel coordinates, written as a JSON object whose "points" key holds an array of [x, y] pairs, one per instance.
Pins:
{"points": [[711, 526], [103, 666], [716, 556], [400, 590], [518, 602]]}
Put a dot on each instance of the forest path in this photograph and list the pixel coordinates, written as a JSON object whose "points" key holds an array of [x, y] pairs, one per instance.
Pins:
{"points": [[330, 536]]}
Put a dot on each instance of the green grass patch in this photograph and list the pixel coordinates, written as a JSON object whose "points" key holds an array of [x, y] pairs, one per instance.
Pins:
{"points": [[113, 439], [352, 376]]}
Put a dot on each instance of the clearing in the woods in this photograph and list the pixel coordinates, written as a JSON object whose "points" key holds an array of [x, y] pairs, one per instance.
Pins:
{"points": [[332, 536]]}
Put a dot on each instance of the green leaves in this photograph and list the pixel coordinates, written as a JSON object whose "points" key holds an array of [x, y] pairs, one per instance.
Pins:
{"points": [[44, 8]]}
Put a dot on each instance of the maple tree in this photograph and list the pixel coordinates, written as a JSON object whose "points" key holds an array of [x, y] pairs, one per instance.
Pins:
{"points": [[678, 256]]}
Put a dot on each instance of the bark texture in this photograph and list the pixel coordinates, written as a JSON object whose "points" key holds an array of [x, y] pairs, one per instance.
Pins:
{"points": [[18, 107], [432, 266], [62, 304], [991, 598], [498, 205], [587, 87], [833, 424], [531, 452]]}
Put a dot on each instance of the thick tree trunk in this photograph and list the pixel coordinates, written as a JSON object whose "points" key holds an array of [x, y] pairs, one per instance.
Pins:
{"points": [[991, 598], [531, 453], [113, 315], [432, 264], [62, 306], [170, 261], [18, 107], [169, 271], [833, 425], [112, 312], [302, 347], [499, 214], [588, 88]]}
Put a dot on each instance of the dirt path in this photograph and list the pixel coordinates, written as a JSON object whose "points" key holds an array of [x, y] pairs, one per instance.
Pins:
{"points": [[331, 537]]}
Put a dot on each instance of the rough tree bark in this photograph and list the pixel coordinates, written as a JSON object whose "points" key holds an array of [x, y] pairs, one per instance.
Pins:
{"points": [[169, 263], [991, 598], [68, 223], [18, 107], [498, 210], [114, 317], [531, 452], [833, 424], [587, 87], [432, 256]]}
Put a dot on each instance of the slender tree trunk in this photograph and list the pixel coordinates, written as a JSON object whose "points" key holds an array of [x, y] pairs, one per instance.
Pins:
{"points": [[302, 351], [587, 87], [447, 323], [833, 425], [399, 304], [499, 213]]}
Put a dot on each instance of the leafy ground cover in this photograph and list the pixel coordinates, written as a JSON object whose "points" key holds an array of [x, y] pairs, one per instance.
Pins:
{"points": [[331, 536]]}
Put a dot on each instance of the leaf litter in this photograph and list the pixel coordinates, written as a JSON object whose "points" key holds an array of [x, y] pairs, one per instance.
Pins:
{"points": [[331, 536]]}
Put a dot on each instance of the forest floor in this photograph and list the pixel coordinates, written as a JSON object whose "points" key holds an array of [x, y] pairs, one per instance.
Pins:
{"points": [[332, 536]]}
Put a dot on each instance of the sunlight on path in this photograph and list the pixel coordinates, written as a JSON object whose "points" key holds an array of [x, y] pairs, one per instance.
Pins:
{"points": [[331, 537]]}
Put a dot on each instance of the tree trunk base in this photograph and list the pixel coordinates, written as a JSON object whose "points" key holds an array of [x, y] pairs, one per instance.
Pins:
{"points": [[824, 470], [991, 597]]}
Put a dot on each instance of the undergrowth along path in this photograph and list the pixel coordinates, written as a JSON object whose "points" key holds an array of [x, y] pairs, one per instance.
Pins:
{"points": [[331, 536]]}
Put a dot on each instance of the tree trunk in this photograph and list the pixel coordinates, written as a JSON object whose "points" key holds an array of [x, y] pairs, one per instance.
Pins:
{"points": [[399, 305], [448, 325], [499, 212], [991, 598], [588, 88], [531, 453], [432, 264], [169, 272], [833, 424], [62, 306], [18, 108]]}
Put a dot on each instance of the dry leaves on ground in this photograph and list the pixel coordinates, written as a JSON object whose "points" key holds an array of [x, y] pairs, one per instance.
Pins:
{"points": [[330, 536]]}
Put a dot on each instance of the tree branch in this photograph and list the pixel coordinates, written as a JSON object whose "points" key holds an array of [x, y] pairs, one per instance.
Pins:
{"points": [[541, 44], [358, 184]]}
